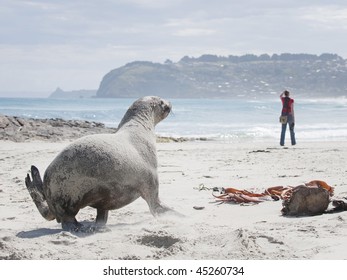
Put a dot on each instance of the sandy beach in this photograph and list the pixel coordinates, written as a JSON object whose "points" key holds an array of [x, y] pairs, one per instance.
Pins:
{"points": [[187, 171]]}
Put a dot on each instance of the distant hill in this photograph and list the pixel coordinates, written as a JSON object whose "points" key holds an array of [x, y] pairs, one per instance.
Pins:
{"points": [[211, 76], [59, 93]]}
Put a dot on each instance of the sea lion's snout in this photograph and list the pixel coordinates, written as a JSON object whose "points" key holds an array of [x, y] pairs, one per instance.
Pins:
{"points": [[167, 107], [164, 105]]}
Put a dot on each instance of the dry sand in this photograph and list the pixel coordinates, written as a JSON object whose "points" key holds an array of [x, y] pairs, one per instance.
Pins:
{"points": [[219, 231]]}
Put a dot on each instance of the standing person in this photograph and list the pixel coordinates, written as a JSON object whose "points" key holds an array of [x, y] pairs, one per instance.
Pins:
{"points": [[287, 116]]}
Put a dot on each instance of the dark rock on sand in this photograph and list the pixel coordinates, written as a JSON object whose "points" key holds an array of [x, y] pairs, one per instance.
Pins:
{"points": [[18, 129], [23, 130]]}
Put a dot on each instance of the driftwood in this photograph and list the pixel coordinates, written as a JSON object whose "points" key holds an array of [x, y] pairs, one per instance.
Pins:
{"points": [[306, 201]]}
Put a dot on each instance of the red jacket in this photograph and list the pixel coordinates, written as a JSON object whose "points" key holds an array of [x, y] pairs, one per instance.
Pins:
{"points": [[287, 103]]}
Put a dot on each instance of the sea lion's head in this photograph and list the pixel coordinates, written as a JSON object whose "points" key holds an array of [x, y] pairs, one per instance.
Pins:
{"points": [[148, 109], [161, 108]]}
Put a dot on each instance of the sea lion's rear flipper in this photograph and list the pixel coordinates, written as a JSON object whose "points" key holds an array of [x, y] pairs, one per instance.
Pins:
{"points": [[35, 174], [35, 188]]}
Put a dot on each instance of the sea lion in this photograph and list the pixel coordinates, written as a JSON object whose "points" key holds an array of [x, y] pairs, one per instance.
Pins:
{"points": [[104, 171]]}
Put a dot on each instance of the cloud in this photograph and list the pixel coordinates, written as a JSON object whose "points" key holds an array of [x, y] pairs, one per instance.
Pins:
{"points": [[72, 44], [154, 4], [329, 17], [194, 32]]}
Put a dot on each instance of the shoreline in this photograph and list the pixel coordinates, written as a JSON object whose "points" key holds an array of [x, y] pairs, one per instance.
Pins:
{"points": [[18, 129]]}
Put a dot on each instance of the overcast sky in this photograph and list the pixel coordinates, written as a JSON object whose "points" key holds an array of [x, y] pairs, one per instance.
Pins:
{"points": [[74, 43]]}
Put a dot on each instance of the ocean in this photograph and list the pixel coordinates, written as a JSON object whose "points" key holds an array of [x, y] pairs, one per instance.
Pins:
{"points": [[224, 120]]}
